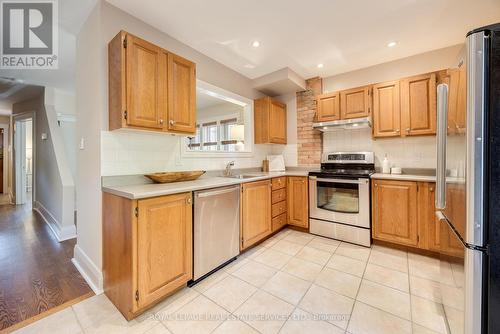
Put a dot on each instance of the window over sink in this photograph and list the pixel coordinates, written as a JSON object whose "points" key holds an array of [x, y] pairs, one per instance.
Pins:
{"points": [[224, 122]]}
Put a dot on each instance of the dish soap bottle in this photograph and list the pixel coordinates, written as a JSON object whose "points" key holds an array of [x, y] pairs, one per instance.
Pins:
{"points": [[386, 167]]}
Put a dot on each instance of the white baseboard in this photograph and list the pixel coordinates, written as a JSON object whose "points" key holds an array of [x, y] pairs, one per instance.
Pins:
{"points": [[61, 233], [88, 270]]}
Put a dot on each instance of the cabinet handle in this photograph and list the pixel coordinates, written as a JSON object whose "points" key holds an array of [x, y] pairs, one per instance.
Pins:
{"points": [[189, 201], [172, 122], [161, 121], [407, 130], [397, 130], [431, 190]]}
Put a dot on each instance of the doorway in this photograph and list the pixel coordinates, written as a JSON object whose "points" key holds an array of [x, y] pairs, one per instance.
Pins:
{"points": [[2, 171], [23, 150]]}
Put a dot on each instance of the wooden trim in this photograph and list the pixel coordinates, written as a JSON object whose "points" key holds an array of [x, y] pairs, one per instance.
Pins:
{"points": [[406, 248], [45, 314], [118, 239]]}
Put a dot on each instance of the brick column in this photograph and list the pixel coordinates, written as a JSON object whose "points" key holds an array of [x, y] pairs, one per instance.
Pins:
{"points": [[309, 141]]}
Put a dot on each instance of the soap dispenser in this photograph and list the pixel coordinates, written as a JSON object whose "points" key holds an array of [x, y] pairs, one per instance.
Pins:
{"points": [[386, 166]]}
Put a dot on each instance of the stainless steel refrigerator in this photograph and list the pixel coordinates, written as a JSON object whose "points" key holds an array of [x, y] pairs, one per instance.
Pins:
{"points": [[468, 188]]}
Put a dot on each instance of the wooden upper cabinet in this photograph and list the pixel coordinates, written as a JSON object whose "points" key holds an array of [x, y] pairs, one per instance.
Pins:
{"points": [[328, 107], [277, 123], [269, 121], [355, 103], [418, 105], [181, 94], [145, 77], [457, 99], [298, 208], [395, 212], [386, 110], [148, 86], [164, 246], [255, 212]]}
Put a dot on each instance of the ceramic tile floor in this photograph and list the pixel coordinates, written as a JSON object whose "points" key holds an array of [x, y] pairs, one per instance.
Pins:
{"points": [[292, 283]]}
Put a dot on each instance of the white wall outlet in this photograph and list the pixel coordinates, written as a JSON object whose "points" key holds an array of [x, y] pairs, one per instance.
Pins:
{"points": [[82, 143], [44, 136]]}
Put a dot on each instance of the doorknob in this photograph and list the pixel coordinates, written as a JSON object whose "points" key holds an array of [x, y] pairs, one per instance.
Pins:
{"points": [[172, 122]]}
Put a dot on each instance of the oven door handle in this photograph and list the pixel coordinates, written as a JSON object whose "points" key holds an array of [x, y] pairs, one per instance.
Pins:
{"points": [[358, 181]]}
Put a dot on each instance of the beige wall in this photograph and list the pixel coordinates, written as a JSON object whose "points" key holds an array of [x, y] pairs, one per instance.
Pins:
{"points": [[418, 64]]}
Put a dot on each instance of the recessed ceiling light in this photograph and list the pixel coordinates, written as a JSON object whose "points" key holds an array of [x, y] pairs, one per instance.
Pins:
{"points": [[391, 44], [320, 65], [255, 44]]}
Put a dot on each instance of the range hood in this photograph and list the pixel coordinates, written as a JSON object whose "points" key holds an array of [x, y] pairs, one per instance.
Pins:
{"points": [[344, 124]]}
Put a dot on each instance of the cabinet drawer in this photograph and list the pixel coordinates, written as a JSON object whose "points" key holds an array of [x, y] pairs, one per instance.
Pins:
{"points": [[279, 222], [278, 208], [278, 183], [278, 196]]}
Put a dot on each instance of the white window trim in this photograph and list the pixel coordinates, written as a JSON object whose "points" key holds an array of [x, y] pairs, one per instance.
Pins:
{"points": [[247, 105]]}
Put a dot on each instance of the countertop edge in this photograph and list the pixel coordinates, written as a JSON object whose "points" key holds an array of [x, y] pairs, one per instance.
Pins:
{"points": [[404, 177], [191, 186]]}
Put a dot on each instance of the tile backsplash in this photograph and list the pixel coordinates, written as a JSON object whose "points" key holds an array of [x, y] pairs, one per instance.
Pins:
{"points": [[408, 152], [133, 152]]}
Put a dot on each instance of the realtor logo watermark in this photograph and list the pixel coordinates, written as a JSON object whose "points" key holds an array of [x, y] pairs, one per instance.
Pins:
{"points": [[29, 34]]}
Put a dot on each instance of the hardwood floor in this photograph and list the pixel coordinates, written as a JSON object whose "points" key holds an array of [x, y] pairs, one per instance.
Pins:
{"points": [[36, 273]]}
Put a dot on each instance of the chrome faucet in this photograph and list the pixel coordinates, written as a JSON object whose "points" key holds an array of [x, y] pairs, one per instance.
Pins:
{"points": [[228, 171]]}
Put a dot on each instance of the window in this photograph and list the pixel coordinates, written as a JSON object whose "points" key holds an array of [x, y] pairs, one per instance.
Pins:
{"points": [[214, 136]]}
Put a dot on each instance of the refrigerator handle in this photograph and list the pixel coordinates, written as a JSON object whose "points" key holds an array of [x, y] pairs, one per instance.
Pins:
{"points": [[442, 129]]}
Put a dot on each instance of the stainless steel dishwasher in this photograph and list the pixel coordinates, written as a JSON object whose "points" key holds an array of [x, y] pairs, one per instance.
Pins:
{"points": [[216, 229]]}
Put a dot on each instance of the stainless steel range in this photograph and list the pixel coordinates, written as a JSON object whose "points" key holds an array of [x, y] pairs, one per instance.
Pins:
{"points": [[339, 197]]}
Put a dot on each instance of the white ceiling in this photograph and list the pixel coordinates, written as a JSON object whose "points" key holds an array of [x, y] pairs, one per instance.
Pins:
{"points": [[344, 35], [206, 101]]}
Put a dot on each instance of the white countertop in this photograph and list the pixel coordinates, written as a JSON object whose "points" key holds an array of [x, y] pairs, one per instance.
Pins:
{"points": [[404, 177], [139, 191]]}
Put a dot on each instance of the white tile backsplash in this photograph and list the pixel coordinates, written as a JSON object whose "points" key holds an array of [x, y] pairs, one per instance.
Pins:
{"points": [[409, 152], [133, 152]]}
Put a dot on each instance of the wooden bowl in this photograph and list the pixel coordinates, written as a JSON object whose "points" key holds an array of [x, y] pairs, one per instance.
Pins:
{"points": [[168, 177]]}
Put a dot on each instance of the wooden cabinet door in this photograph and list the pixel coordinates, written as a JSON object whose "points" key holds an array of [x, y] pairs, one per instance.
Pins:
{"points": [[355, 103], [328, 107], [395, 212], [418, 95], [145, 76], [164, 246], [277, 122], [181, 94], [255, 212], [386, 110], [298, 203], [457, 99], [428, 224]]}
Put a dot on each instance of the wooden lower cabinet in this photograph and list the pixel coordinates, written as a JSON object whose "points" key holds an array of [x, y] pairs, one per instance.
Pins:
{"points": [[147, 249], [255, 222], [403, 213], [395, 212], [298, 203]]}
